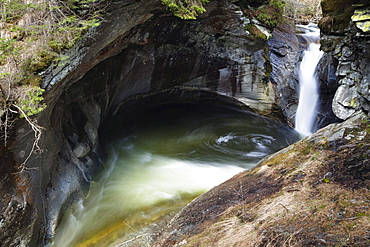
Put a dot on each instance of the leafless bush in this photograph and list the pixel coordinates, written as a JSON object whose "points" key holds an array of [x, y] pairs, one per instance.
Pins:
{"points": [[303, 11]]}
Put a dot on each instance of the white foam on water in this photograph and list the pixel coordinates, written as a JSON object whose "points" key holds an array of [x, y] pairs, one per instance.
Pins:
{"points": [[308, 95], [136, 183]]}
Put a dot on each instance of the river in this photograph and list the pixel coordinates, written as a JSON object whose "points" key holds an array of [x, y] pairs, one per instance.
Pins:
{"points": [[160, 158]]}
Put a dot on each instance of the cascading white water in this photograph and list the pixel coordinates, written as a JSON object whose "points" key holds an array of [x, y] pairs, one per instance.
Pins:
{"points": [[308, 94]]}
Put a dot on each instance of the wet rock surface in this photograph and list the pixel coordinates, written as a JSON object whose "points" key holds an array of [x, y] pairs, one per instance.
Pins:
{"points": [[285, 54], [19, 218], [328, 85], [348, 53]]}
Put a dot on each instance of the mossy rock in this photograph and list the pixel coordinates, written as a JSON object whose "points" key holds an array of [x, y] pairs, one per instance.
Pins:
{"points": [[361, 2], [40, 61], [361, 15], [269, 16], [256, 32], [336, 16], [336, 24], [34, 80], [335, 7], [364, 26]]}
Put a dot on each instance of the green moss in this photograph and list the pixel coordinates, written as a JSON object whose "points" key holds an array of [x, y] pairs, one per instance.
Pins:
{"points": [[277, 4], [360, 15], [31, 103], [268, 66], [254, 171], [33, 46], [255, 32], [41, 60], [336, 19], [361, 214], [335, 7], [33, 80], [188, 10], [57, 45], [269, 16]]}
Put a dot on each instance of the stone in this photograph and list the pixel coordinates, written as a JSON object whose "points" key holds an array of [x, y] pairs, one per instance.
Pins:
{"points": [[81, 150], [364, 88], [143, 50], [284, 56], [347, 81], [361, 15], [343, 68], [364, 26], [355, 76], [328, 84], [345, 102], [347, 53]]}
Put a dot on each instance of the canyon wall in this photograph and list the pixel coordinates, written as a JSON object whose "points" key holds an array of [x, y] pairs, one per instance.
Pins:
{"points": [[143, 54], [345, 66]]}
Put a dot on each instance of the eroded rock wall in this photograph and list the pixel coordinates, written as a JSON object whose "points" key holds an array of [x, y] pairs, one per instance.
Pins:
{"points": [[141, 49], [345, 40], [285, 54]]}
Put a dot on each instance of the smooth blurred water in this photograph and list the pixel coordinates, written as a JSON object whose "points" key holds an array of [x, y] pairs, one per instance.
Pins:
{"points": [[160, 158], [308, 95]]}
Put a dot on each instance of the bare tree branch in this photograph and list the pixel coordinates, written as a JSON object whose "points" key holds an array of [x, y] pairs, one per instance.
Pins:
{"points": [[37, 129]]}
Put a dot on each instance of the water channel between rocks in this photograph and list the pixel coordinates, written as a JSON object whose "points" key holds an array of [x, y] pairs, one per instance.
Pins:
{"points": [[305, 122], [159, 159]]}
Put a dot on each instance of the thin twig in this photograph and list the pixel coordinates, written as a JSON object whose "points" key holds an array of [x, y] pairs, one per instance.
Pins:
{"points": [[128, 225], [37, 129]]}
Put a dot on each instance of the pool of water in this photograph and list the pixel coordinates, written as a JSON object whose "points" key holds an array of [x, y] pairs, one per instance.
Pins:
{"points": [[159, 159]]}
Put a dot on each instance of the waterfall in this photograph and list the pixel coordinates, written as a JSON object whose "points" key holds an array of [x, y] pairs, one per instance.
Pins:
{"points": [[308, 93]]}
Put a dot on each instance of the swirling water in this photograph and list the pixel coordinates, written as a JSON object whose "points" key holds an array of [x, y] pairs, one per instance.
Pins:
{"points": [[160, 158]]}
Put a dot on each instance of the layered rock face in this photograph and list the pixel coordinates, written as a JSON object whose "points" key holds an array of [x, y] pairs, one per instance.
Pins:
{"points": [[285, 53], [345, 40]]}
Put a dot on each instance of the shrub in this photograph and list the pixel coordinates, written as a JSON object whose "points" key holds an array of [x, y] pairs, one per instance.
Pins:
{"points": [[186, 9]]}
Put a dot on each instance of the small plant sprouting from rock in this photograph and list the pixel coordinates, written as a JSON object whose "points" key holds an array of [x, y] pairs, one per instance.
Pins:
{"points": [[186, 9], [34, 33], [32, 102], [271, 14]]}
